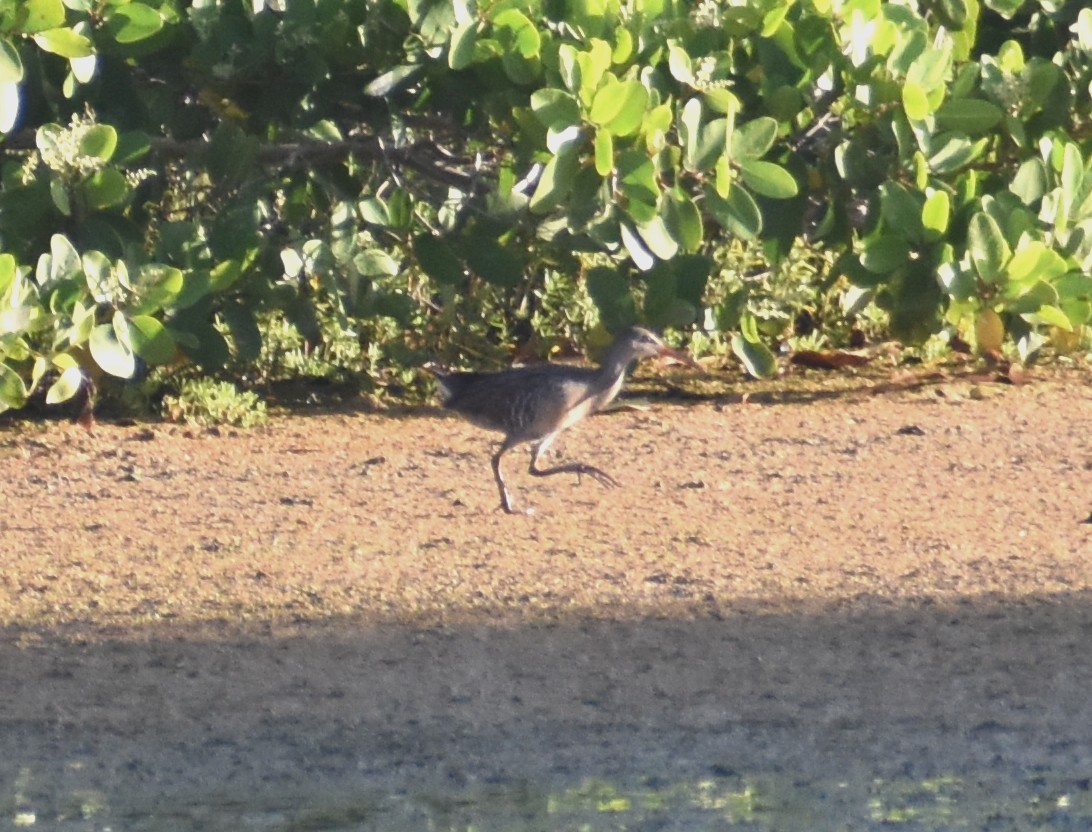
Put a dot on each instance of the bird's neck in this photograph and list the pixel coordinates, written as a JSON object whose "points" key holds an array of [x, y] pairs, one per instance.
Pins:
{"points": [[611, 374]]}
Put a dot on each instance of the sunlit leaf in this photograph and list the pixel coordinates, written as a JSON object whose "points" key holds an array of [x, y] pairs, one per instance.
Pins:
{"points": [[768, 179], [65, 387], [987, 246], [9, 105], [11, 65], [64, 42], [111, 348], [753, 139], [106, 188], [604, 152], [885, 253], [738, 214], [914, 101], [461, 50], [935, 214], [99, 142], [638, 252], [757, 358], [133, 22], [13, 392], [555, 108], [42, 15], [970, 115]]}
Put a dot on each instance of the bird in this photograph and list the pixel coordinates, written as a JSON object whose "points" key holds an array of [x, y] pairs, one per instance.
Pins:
{"points": [[533, 404]]}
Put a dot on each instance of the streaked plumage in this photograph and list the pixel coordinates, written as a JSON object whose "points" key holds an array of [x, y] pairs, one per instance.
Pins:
{"points": [[533, 404]]}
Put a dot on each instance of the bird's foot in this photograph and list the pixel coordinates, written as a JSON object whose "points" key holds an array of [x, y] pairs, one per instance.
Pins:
{"points": [[511, 508], [597, 474], [519, 512]]}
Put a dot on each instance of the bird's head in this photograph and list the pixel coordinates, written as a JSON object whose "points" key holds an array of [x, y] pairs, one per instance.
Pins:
{"points": [[637, 342]]}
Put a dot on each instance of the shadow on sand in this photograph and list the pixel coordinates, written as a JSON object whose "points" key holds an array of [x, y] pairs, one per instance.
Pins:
{"points": [[992, 695]]}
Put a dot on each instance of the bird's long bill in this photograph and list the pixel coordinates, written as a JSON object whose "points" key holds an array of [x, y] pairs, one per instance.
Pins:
{"points": [[681, 357]]}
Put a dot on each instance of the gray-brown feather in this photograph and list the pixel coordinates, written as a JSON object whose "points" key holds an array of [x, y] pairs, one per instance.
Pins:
{"points": [[530, 403], [524, 403]]}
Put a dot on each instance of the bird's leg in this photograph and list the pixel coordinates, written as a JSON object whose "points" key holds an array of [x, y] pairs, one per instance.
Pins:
{"points": [[578, 468], [507, 502]]}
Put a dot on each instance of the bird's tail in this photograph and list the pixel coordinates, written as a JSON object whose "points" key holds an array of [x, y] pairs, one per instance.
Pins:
{"points": [[443, 380]]}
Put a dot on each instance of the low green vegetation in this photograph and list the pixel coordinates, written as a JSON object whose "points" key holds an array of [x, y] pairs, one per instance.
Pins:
{"points": [[252, 190]]}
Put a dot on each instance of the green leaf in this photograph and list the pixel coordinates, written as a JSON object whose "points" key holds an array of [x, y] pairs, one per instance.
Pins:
{"points": [[721, 101], [106, 188], [10, 94], [931, 67], [1030, 182], [656, 238], [678, 63], [557, 179], [885, 253], [375, 262], [99, 142], [901, 211], [1083, 29], [231, 154], [683, 221], [637, 177], [221, 277], [62, 263], [739, 214], [914, 101], [151, 340], [13, 392], [969, 115], [689, 132], [66, 386], [935, 215], [756, 356], [633, 110], [42, 15], [1033, 261], [768, 179], [604, 152], [1049, 316], [635, 246], [83, 69], [394, 81], [952, 151], [609, 289], [99, 273], [1032, 297], [555, 108], [619, 105], [463, 40], [592, 64], [1074, 285], [494, 263], [11, 65], [156, 286], [64, 42], [520, 32], [753, 139], [111, 349], [245, 335], [568, 67], [438, 259], [987, 247], [133, 22], [712, 143]]}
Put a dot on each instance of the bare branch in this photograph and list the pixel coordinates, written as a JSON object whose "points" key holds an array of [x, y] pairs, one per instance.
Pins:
{"points": [[423, 157]]}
